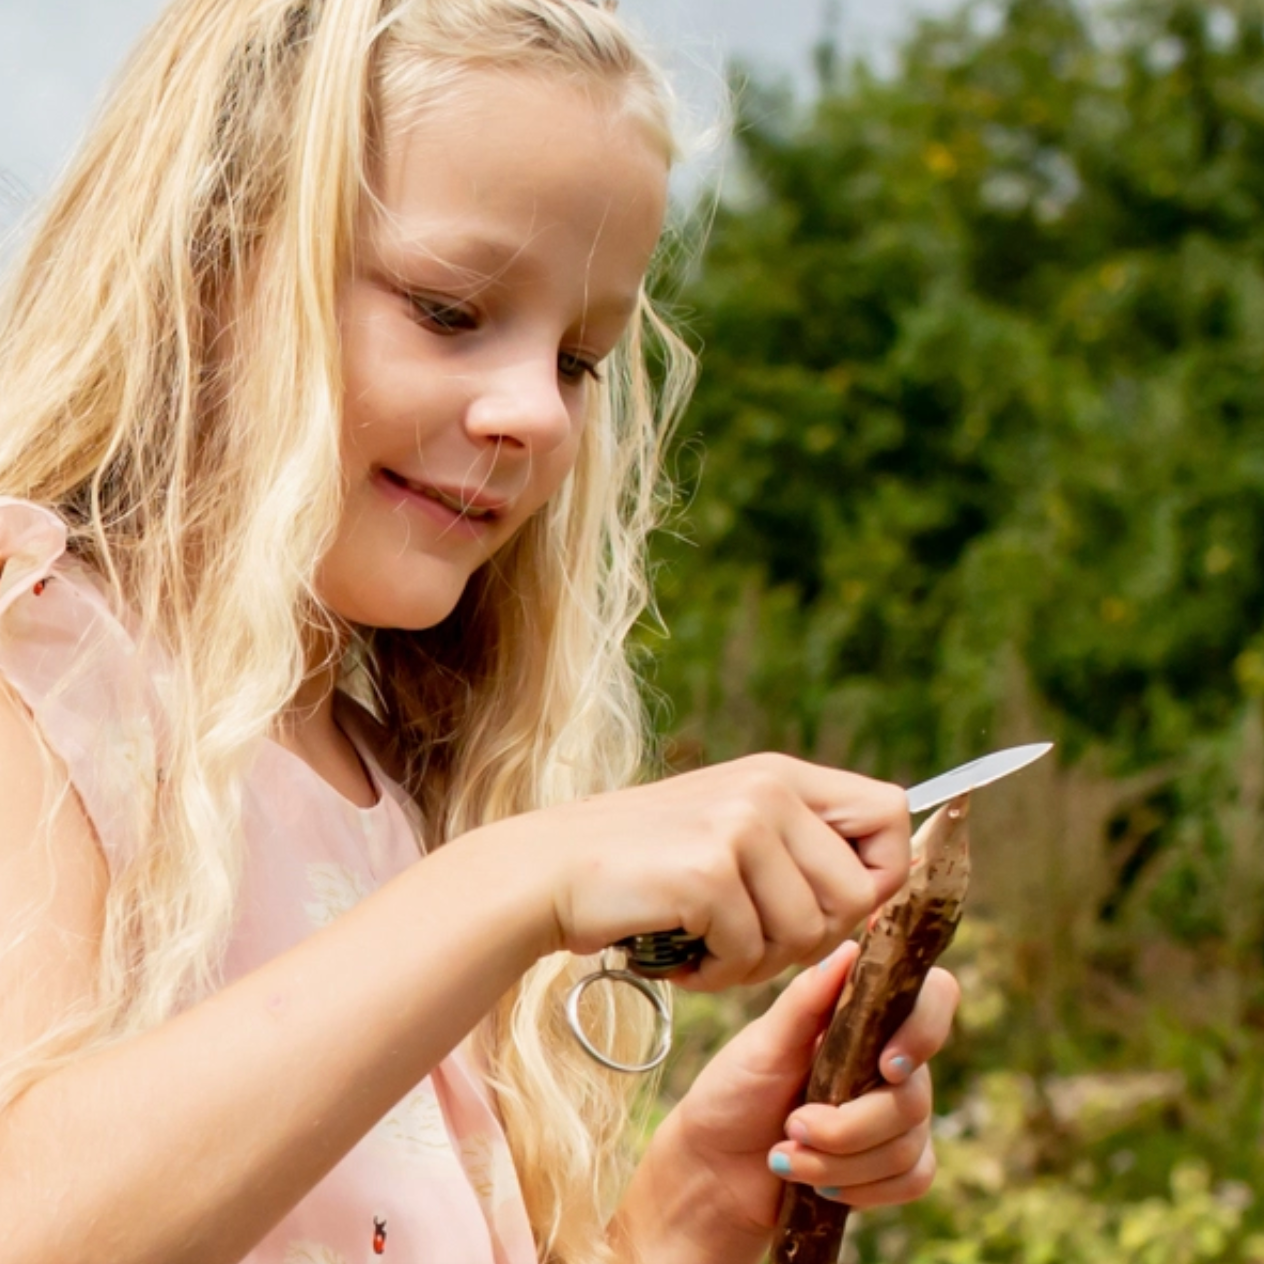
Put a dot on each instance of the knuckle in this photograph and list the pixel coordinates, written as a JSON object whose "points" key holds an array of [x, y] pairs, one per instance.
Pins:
{"points": [[807, 934], [766, 794], [707, 870], [894, 800], [772, 762], [765, 777], [734, 822]]}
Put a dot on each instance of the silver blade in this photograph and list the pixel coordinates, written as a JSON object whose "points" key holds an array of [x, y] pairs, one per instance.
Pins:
{"points": [[978, 772]]}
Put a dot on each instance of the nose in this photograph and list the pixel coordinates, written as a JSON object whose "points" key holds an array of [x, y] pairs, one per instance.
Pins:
{"points": [[521, 405]]}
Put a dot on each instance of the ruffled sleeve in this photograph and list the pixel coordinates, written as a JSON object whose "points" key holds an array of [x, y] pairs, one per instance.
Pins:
{"points": [[74, 665]]}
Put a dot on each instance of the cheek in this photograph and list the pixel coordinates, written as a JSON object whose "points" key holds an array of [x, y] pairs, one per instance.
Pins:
{"points": [[550, 470], [380, 394]]}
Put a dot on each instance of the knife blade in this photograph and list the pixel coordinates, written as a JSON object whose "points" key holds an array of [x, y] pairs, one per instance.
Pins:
{"points": [[660, 952], [972, 776]]}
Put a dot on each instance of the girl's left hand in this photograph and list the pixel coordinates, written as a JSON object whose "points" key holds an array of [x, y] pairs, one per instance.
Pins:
{"points": [[741, 1130]]}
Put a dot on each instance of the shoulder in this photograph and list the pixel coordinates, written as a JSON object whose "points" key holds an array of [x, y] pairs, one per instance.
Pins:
{"points": [[69, 662]]}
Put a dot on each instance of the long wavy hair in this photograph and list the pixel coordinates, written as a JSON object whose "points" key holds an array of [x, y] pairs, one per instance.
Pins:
{"points": [[170, 384]]}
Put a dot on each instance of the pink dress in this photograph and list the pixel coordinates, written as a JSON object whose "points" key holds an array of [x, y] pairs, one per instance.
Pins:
{"points": [[433, 1182]]}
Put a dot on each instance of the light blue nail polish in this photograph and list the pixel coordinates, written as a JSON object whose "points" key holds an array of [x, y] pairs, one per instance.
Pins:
{"points": [[829, 1191], [903, 1065], [780, 1164]]}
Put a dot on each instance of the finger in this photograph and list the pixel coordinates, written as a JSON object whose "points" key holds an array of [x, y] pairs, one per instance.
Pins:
{"points": [[926, 1029], [874, 819], [904, 1188], [871, 815], [857, 806], [892, 1159], [786, 1034], [844, 889], [795, 927], [734, 939], [869, 1121]]}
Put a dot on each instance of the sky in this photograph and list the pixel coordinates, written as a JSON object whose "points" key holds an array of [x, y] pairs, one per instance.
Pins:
{"points": [[56, 57]]}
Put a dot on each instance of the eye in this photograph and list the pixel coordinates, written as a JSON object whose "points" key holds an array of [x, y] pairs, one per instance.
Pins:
{"points": [[574, 368], [441, 316]]}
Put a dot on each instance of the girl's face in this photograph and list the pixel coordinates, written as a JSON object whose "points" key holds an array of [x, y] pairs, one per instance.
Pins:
{"points": [[502, 266]]}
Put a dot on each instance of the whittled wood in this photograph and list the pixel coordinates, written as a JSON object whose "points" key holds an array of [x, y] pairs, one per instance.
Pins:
{"points": [[896, 953]]}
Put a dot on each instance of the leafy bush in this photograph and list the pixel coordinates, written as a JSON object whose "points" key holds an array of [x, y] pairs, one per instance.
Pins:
{"points": [[978, 456]]}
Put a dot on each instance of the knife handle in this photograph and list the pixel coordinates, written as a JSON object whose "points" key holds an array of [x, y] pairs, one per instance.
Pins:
{"points": [[661, 952]]}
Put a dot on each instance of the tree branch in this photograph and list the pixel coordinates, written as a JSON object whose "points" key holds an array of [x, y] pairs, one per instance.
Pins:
{"points": [[896, 953]]}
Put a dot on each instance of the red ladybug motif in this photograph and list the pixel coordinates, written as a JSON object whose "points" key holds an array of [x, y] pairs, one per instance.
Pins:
{"points": [[39, 588], [379, 1236]]}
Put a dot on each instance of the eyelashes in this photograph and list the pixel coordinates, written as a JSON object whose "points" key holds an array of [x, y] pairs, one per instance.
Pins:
{"points": [[447, 319], [575, 368], [442, 317]]}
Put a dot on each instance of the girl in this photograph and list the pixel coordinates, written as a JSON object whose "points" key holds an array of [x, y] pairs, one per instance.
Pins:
{"points": [[327, 452]]}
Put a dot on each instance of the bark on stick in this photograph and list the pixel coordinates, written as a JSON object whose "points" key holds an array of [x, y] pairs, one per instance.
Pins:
{"points": [[896, 953]]}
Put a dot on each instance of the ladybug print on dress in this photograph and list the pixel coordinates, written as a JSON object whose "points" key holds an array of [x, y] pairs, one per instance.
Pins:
{"points": [[39, 588], [379, 1236]]}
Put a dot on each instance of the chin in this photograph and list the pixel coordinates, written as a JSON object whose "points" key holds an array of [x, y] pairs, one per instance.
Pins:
{"points": [[408, 608], [405, 616]]}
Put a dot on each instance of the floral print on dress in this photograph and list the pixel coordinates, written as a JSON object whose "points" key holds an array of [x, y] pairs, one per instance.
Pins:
{"points": [[490, 1171], [97, 694], [415, 1128], [127, 754], [336, 890], [311, 1253]]}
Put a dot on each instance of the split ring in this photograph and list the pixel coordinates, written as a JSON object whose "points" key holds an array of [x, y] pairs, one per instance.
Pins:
{"points": [[663, 1025]]}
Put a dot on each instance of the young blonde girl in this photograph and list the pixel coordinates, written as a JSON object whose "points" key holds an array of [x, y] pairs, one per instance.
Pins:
{"points": [[327, 455]]}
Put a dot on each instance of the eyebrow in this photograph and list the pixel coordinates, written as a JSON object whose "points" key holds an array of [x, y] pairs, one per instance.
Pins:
{"points": [[479, 262], [483, 259]]}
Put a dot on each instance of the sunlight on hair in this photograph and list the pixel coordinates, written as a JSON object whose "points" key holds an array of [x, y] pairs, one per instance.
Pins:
{"points": [[210, 213]]}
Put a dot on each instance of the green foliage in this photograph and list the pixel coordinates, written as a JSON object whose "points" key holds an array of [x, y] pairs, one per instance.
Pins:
{"points": [[982, 352], [978, 455]]}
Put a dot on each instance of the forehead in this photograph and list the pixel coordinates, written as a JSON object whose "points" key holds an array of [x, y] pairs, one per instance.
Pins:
{"points": [[509, 170]]}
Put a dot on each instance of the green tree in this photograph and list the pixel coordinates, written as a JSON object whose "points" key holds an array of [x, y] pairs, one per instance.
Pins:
{"points": [[979, 453]]}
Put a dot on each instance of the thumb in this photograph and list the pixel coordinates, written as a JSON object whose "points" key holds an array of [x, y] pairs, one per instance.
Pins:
{"points": [[792, 1025]]}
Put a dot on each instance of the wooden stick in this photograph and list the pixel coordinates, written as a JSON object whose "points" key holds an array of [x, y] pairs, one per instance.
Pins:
{"points": [[896, 953]]}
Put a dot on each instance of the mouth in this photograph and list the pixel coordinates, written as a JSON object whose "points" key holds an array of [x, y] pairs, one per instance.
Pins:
{"points": [[463, 504]]}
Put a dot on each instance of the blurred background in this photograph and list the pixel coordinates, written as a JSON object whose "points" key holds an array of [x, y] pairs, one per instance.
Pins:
{"points": [[56, 57], [977, 458]]}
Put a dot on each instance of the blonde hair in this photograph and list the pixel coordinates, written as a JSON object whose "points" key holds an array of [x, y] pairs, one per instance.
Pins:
{"points": [[213, 210]]}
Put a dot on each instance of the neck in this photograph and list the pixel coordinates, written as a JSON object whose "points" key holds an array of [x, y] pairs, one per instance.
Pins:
{"points": [[309, 728], [311, 711]]}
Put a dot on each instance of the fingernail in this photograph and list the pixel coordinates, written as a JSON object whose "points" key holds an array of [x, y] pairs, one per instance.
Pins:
{"points": [[829, 1191], [780, 1163], [797, 1130], [902, 1066]]}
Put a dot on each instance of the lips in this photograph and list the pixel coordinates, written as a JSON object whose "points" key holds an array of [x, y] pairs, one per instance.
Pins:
{"points": [[472, 505]]}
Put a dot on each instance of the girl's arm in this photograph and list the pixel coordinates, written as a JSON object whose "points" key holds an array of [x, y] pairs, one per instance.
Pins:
{"points": [[186, 1144], [218, 1121]]}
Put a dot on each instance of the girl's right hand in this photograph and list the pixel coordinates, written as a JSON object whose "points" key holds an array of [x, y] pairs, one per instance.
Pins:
{"points": [[773, 861]]}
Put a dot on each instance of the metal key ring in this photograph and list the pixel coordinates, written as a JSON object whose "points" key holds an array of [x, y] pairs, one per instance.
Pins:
{"points": [[663, 1037]]}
